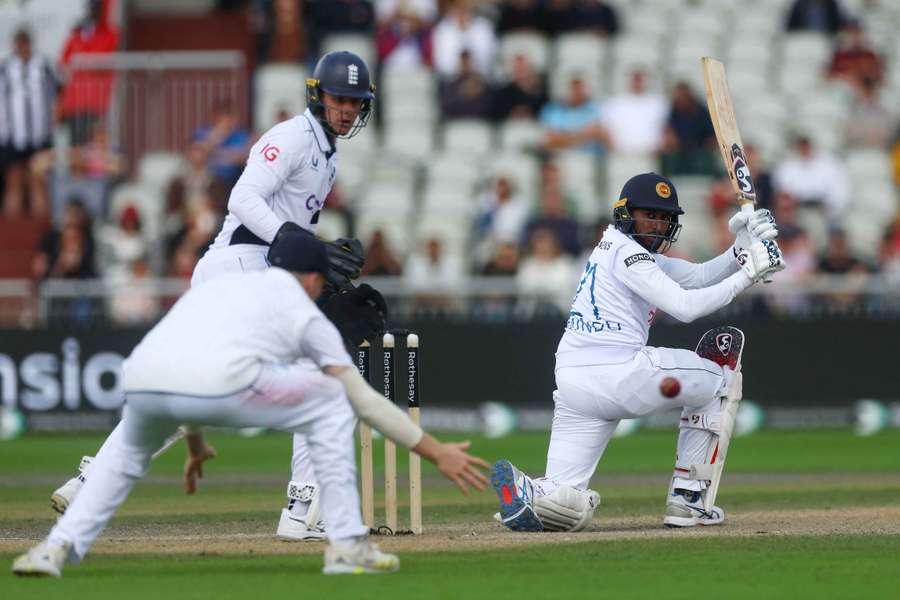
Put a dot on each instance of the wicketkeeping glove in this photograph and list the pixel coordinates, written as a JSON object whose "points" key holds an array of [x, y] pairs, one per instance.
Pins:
{"points": [[357, 312], [761, 259], [345, 258]]}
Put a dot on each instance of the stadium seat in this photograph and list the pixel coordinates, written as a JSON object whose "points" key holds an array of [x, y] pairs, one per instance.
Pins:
{"points": [[579, 175], [277, 86], [622, 167], [448, 201], [868, 164], [468, 135], [629, 51], [520, 134], [523, 169], [158, 169], [332, 225], [410, 138], [399, 82], [810, 49], [580, 50], [360, 44], [645, 20], [453, 169]]}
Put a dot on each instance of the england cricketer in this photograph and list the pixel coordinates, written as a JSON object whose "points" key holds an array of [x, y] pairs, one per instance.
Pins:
{"points": [[606, 372], [289, 173], [201, 366]]}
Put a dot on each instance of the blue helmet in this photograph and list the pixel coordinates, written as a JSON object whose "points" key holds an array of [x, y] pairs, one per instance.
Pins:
{"points": [[649, 191], [342, 74]]}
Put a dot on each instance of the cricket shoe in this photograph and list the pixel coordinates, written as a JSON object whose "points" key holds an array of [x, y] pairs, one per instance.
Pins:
{"points": [[44, 560], [685, 509], [63, 496], [516, 494], [357, 558], [295, 529]]}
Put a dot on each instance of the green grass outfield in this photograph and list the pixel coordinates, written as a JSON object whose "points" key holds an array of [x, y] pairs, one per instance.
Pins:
{"points": [[834, 529]]}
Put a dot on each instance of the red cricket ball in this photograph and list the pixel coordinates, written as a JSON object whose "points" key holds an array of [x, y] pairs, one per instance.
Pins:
{"points": [[670, 387]]}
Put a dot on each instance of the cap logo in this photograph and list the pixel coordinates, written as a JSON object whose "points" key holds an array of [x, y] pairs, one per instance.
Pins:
{"points": [[352, 74], [620, 203], [663, 190]]}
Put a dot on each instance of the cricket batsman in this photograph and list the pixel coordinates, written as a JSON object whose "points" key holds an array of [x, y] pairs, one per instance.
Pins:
{"points": [[606, 372], [201, 366], [289, 173]]}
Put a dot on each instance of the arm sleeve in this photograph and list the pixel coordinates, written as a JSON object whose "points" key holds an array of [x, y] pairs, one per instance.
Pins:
{"points": [[379, 412], [699, 275], [322, 343], [271, 161], [646, 279]]}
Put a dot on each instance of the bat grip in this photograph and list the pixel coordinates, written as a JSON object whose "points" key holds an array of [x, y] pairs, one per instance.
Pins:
{"points": [[747, 208]]}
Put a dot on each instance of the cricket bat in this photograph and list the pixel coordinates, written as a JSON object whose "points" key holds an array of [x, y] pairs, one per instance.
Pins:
{"points": [[721, 112]]}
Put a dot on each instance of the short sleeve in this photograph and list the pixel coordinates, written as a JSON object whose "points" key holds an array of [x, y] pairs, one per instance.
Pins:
{"points": [[323, 344]]}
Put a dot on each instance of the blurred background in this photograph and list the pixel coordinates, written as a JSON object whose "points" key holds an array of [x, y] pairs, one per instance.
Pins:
{"points": [[502, 134]]}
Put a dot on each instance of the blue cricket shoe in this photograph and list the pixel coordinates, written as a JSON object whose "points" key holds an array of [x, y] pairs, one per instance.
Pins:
{"points": [[516, 494]]}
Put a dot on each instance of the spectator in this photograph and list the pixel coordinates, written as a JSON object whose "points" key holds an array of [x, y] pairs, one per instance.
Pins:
{"points": [[890, 252], [596, 16], [380, 259], [28, 92], [72, 256], [545, 274], [814, 178], [762, 177], [838, 260], [336, 16], [226, 141], [689, 140], [277, 27], [502, 217], [636, 119], [460, 30], [467, 95], [523, 96], [555, 218], [76, 216], [195, 192], [823, 16], [132, 300], [800, 258], [854, 61], [870, 124], [122, 243], [520, 15], [85, 97], [504, 262], [560, 16], [93, 169], [403, 33], [433, 274], [575, 123]]}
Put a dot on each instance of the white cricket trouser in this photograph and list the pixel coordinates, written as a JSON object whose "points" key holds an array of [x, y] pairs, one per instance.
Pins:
{"points": [[285, 397], [592, 399], [252, 257]]}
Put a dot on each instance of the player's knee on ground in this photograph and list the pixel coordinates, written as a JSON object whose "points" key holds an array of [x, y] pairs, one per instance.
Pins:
{"points": [[567, 509]]}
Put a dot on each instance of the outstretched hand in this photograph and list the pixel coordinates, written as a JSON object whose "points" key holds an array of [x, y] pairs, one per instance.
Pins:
{"points": [[460, 467], [193, 467]]}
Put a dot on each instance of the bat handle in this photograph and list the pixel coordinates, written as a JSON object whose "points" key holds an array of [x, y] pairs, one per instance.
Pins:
{"points": [[747, 208]]}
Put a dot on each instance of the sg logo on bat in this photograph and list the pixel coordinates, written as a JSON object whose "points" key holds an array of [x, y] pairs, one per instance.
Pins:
{"points": [[742, 171]]}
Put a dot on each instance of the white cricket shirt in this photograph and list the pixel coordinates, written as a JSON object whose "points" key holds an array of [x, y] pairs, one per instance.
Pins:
{"points": [[289, 173], [621, 289], [216, 337]]}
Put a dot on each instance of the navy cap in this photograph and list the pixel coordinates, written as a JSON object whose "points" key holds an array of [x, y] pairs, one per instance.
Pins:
{"points": [[299, 252], [650, 191]]}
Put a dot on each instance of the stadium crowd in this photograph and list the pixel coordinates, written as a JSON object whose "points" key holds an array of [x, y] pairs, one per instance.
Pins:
{"points": [[537, 234]]}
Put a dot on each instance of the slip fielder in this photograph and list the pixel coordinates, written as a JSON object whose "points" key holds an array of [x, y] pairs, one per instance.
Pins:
{"points": [[252, 377]]}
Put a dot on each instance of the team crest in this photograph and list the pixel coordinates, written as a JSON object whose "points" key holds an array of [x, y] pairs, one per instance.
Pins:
{"points": [[742, 172], [352, 74], [723, 342], [620, 203], [663, 190]]}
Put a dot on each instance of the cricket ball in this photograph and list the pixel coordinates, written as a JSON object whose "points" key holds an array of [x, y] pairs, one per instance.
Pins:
{"points": [[670, 387]]}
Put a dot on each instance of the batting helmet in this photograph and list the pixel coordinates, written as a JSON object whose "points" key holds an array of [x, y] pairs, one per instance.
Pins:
{"points": [[649, 191], [341, 74]]}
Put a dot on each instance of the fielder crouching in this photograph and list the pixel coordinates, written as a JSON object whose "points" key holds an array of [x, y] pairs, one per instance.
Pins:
{"points": [[606, 372], [202, 366]]}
